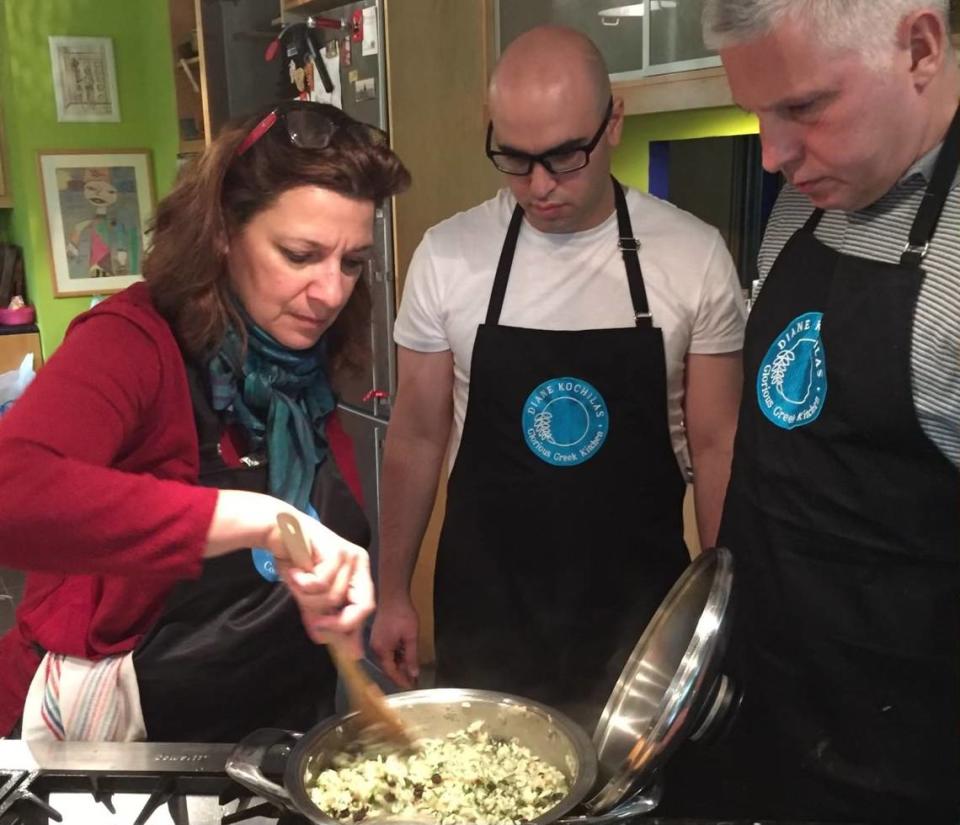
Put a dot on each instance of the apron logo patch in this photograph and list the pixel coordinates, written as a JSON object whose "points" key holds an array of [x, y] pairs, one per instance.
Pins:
{"points": [[565, 421], [792, 379], [263, 560]]}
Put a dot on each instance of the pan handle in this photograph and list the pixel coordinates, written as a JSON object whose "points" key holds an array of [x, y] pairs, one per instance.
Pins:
{"points": [[245, 764], [642, 802]]}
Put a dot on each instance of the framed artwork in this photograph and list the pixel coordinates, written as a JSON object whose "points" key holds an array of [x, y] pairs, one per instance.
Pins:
{"points": [[84, 79], [98, 206]]}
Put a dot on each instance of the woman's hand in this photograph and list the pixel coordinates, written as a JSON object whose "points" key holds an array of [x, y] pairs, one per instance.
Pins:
{"points": [[334, 596]]}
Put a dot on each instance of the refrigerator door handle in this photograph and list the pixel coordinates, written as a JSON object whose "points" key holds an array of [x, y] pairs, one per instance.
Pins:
{"points": [[365, 414]]}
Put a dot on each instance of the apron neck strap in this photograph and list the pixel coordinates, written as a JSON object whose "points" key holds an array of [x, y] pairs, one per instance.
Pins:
{"points": [[207, 420], [628, 246], [503, 267], [928, 216], [813, 221]]}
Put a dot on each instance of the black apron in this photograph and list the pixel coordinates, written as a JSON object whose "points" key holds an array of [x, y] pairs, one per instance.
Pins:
{"points": [[229, 653], [563, 527], [844, 519]]}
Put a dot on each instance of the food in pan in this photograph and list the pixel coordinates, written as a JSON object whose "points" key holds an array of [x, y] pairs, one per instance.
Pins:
{"points": [[466, 777]]}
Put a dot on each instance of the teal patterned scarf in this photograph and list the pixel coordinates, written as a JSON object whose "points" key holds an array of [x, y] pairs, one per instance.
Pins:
{"points": [[282, 398]]}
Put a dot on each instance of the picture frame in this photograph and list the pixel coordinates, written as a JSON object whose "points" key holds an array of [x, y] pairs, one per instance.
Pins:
{"points": [[98, 205], [84, 79]]}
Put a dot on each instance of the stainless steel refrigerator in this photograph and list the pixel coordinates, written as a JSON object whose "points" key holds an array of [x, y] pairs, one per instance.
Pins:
{"points": [[360, 78], [349, 39]]}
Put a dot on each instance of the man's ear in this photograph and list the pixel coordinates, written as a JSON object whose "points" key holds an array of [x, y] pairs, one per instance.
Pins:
{"points": [[615, 130], [924, 34]]}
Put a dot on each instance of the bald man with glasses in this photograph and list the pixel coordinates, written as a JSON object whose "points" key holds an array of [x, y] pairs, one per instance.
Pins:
{"points": [[576, 346]]}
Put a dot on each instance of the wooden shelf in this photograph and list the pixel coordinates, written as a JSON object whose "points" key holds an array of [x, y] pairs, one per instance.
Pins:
{"points": [[698, 89], [311, 6], [185, 65], [188, 72], [15, 345], [192, 147]]}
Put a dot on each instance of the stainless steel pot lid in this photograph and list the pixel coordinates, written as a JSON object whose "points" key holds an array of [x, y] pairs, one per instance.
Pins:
{"points": [[670, 688]]}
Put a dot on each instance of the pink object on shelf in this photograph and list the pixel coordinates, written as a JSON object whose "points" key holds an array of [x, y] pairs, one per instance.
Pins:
{"points": [[16, 317]]}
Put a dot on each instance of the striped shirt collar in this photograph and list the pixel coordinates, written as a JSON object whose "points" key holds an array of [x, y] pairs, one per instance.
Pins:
{"points": [[923, 166]]}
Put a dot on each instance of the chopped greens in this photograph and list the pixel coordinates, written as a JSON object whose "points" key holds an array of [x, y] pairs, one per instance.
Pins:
{"points": [[466, 777]]}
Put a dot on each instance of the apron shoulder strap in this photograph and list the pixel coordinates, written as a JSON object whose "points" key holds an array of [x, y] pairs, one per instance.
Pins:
{"points": [[934, 198], [629, 247], [628, 244], [928, 215], [813, 221], [207, 421], [503, 267]]}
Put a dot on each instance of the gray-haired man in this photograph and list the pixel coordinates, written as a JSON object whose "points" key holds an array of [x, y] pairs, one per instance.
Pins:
{"points": [[843, 510]]}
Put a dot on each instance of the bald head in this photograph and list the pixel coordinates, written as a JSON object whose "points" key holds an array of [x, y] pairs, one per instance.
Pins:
{"points": [[549, 98], [551, 63]]}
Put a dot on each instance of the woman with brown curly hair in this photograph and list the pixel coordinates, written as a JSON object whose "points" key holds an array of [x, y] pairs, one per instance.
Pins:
{"points": [[177, 420]]}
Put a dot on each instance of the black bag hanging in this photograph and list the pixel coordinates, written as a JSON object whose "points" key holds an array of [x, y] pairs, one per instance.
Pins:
{"points": [[11, 274]]}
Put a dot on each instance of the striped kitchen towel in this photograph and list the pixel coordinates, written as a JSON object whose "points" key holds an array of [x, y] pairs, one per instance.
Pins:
{"points": [[80, 700]]}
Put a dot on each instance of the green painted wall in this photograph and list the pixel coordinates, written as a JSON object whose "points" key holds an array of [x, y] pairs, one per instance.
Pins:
{"points": [[631, 161], [141, 42]]}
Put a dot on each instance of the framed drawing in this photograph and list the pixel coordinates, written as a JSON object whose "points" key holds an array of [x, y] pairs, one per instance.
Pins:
{"points": [[98, 206], [84, 79]]}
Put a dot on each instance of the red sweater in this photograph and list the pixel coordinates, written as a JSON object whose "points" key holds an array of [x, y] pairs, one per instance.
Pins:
{"points": [[98, 495]]}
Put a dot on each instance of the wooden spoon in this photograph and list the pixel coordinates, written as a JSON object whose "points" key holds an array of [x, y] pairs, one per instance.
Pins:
{"points": [[365, 697]]}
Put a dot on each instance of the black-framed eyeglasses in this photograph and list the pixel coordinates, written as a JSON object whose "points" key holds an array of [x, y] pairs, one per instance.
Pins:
{"points": [[556, 161], [309, 125]]}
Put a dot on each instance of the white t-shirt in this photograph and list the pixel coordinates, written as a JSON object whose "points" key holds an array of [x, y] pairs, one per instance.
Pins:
{"points": [[571, 282]]}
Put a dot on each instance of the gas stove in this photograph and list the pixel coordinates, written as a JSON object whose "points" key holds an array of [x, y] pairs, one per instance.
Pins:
{"points": [[135, 783], [151, 783]]}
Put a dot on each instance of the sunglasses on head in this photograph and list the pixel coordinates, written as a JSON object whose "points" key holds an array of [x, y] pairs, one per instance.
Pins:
{"points": [[310, 125], [556, 161]]}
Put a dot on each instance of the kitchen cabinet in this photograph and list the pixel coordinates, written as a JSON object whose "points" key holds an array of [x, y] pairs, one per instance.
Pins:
{"points": [[678, 91], [438, 116], [309, 6], [235, 35], [673, 39], [15, 343], [218, 60], [662, 68], [189, 80], [638, 39], [654, 49], [619, 37]]}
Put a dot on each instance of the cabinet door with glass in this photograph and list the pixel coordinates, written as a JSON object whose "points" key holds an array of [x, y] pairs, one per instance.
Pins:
{"points": [[640, 39]]}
